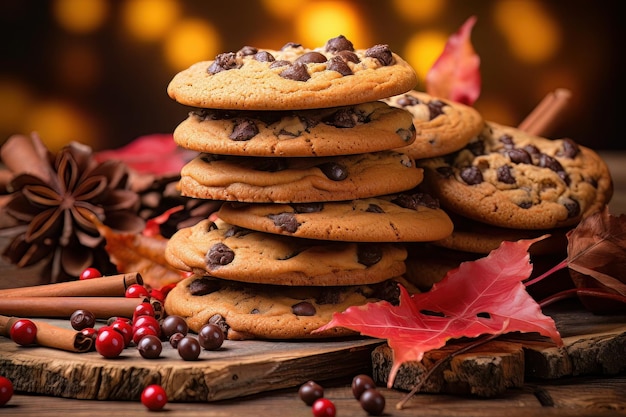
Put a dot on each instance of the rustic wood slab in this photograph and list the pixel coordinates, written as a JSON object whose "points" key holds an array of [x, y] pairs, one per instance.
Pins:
{"points": [[593, 345], [239, 368]]}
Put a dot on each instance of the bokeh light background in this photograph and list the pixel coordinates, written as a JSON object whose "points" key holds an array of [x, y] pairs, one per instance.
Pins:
{"points": [[96, 71]]}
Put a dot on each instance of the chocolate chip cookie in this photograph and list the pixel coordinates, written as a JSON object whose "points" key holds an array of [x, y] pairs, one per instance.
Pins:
{"points": [[362, 128], [257, 311], [442, 126], [294, 77], [290, 180], [399, 218], [221, 250], [511, 179]]}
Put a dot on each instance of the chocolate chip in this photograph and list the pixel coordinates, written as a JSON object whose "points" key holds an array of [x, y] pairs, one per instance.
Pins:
{"points": [[343, 118], [406, 134], [408, 100], [224, 62], [311, 57], [286, 221], [435, 108], [532, 150], [303, 308], [219, 254], [264, 56], [247, 50], [255, 311], [220, 322], [279, 63], [507, 141], [334, 171], [296, 72], [308, 207], [203, 286], [349, 56], [564, 176], [546, 161], [369, 255], [388, 291], [471, 175], [519, 156], [236, 231], [525, 204], [573, 208], [339, 65], [374, 208], [244, 129], [289, 45], [570, 149], [505, 175], [413, 201], [382, 53], [340, 43]]}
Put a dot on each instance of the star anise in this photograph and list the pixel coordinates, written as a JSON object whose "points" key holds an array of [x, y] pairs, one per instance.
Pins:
{"points": [[51, 201]]}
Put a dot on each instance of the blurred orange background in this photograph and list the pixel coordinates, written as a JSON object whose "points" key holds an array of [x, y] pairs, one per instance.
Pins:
{"points": [[96, 71]]}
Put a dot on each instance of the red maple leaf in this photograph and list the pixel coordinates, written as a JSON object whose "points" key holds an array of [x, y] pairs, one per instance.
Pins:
{"points": [[486, 296], [155, 154], [455, 74]]}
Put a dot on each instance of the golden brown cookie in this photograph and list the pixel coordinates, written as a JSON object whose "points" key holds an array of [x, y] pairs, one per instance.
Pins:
{"points": [[442, 126], [291, 180], [399, 218], [294, 77], [511, 179], [257, 311], [229, 252], [362, 128]]}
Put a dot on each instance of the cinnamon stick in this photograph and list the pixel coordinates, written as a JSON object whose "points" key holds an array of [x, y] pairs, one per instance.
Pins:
{"points": [[63, 307], [109, 286], [52, 336], [545, 115]]}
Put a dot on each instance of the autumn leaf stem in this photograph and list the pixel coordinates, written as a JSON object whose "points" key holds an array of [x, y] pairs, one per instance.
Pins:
{"points": [[439, 363], [589, 292], [560, 265]]}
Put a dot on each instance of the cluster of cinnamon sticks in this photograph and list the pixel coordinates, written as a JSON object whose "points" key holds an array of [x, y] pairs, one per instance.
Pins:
{"points": [[104, 297]]}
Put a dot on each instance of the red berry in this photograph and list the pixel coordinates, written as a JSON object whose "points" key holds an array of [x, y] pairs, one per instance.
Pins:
{"points": [[90, 332], [125, 329], [154, 397], [89, 273], [6, 390], [23, 332], [147, 321], [323, 408], [109, 342], [136, 291], [140, 332], [143, 309]]}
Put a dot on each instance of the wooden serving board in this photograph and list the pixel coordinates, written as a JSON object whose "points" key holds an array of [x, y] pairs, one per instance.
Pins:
{"points": [[593, 345], [239, 368]]}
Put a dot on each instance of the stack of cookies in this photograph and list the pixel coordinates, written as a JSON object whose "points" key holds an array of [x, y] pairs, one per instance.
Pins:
{"points": [[498, 183], [318, 189]]}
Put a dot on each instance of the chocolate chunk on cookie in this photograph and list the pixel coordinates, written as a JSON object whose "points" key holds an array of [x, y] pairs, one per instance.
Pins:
{"points": [[297, 180], [294, 77], [398, 218], [442, 126], [362, 128], [234, 253], [258, 311], [507, 178]]}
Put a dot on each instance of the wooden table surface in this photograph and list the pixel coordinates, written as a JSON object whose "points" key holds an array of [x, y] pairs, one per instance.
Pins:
{"points": [[575, 396]]}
